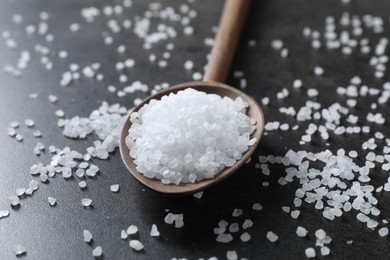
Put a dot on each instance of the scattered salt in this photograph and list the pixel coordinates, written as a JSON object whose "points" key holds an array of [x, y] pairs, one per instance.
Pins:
{"points": [[136, 245], [272, 237], [86, 202], [87, 236], [114, 188], [52, 201], [154, 231], [97, 252]]}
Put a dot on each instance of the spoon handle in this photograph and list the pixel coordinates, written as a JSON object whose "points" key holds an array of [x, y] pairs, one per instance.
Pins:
{"points": [[232, 20]]}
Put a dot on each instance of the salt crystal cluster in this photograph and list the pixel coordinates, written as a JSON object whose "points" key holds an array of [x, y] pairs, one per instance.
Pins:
{"points": [[106, 123], [189, 136]]}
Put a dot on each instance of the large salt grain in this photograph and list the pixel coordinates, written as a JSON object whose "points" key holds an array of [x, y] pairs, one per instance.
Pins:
{"points": [[86, 202], [19, 250], [271, 236], [189, 136], [87, 236], [301, 231], [310, 252], [154, 231], [4, 213], [132, 230], [97, 252], [136, 245]]}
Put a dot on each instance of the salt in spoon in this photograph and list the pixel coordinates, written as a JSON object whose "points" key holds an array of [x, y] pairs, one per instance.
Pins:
{"points": [[231, 23]]}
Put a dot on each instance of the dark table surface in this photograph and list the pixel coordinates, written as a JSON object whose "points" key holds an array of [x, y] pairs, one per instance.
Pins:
{"points": [[56, 232]]}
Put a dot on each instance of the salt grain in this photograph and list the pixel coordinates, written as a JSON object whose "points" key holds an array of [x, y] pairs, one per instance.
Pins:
{"points": [[136, 245], [14, 201], [29, 122], [124, 234], [154, 231], [257, 206], [310, 252], [97, 252], [383, 231], [19, 250], [86, 202], [82, 184], [318, 71], [245, 237], [4, 213], [272, 237], [132, 230], [87, 236], [52, 201], [114, 188], [301, 231], [231, 255]]}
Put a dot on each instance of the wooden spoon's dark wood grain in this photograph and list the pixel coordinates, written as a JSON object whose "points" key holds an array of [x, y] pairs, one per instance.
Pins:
{"points": [[253, 111]]}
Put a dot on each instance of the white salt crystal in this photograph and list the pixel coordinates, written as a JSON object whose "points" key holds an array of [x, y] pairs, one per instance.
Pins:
{"points": [[301, 231], [60, 113], [19, 137], [257, 206], [310, 252], [271, 236], [318, 71], [383, 231], [124, 234], [129, 63], [86, 202], [20, 191], [63, 54], [80, 173], [325, 251], [37, 134], [29, 122], [136, 245], [14, 124], [52, 201], [320, 234], [97, 252], [224, 238], [231, 255], [4, 213], [295, 214], [114, 188], [265, 101], [154, 231], [237, 212], [247, 224], [11, 132], [312, 92], [14, 201], [87, 236], [297, 83], [188, 65], [234, 227], [284, 53], [198, 195], [245, 237], [131, 230], [277, 44], [197, 76], [82, 184], [19, 250]]}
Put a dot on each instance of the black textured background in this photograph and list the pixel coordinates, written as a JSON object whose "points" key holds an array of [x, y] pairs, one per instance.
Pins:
{"points": [[56, 232]]}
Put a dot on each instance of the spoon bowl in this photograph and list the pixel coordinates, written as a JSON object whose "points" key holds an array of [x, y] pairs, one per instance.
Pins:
{"points": [[253, 111]]}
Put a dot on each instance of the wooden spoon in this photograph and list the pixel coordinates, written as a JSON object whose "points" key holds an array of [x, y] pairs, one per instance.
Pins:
{"points": [[232, 20]]}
